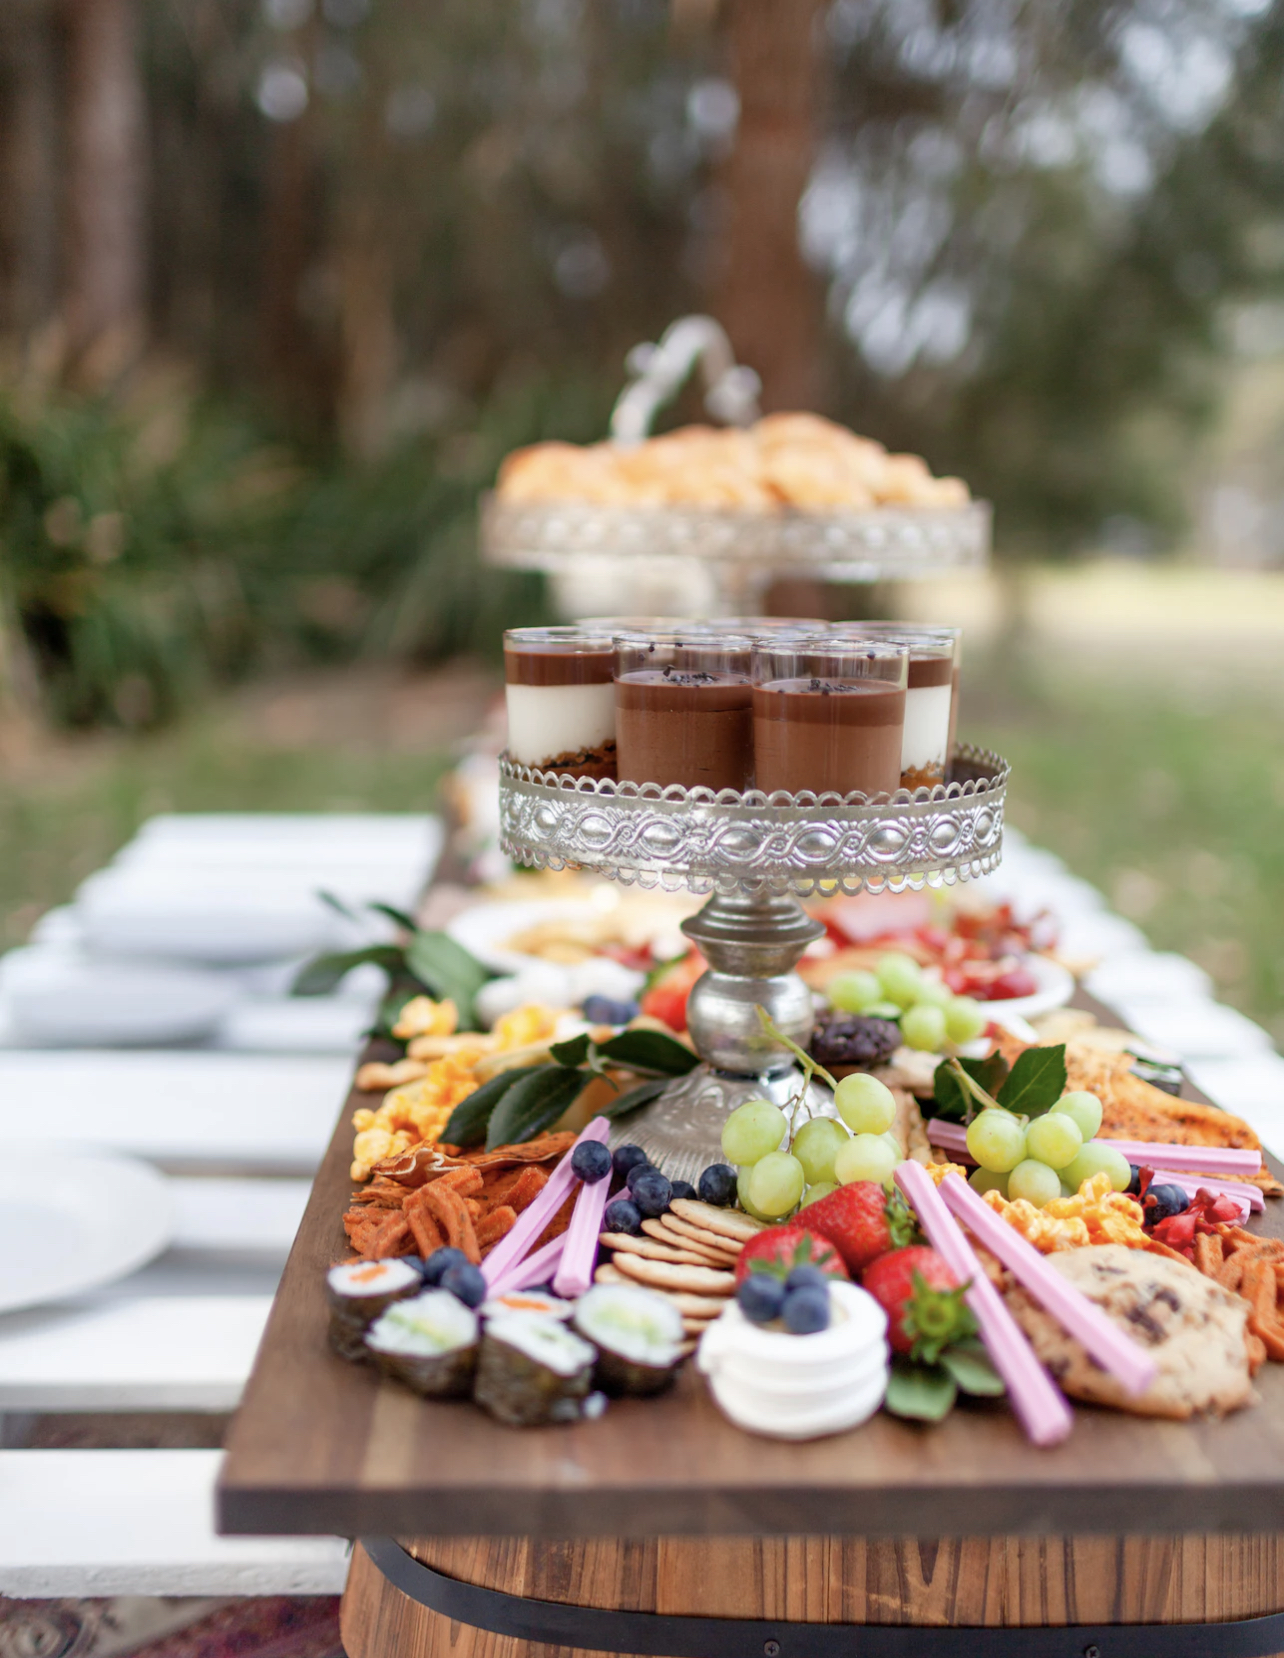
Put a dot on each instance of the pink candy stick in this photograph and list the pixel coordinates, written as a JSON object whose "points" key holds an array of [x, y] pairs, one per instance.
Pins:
{"points": [[1043, 1411], [949, 1136], [1070, 1307], [535, 1269], [1212, 1159], [575, 1273], [531, 1222], [1249, 1198]]}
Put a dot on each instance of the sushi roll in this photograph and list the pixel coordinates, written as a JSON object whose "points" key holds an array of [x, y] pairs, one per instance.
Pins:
{"points": [[638, 1336], [527, 1301], [358, 1291], [429, 1343], [532, 1369]]}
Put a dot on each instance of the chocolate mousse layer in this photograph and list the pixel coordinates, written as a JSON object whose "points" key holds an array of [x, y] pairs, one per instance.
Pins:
{"points": [[929, 670], [692, 728], [561, 702], [556, 664], [828, 735]]}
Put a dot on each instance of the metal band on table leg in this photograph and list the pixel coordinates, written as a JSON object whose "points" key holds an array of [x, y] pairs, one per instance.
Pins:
{"points": [[658, 1636]]}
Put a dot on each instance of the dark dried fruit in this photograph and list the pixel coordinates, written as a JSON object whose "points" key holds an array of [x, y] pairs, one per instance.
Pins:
{"points": [[853, 1039]]}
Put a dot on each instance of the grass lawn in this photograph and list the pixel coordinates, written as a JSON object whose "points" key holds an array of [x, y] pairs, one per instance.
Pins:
{"points": [[1172, 806]]}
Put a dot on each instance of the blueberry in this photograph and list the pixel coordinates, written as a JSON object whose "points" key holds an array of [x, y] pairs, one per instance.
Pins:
{"points": [[464, 1280], [440, 1261], [806, 1310], [651, 1193], [1134, 1182], [807, 1277], [622, 1216], [637, 1171], [603, 1010], [760, 1297], [1163, 1201], [683, 1188], [591, 1161], [718, 1184], [624, 1158]]}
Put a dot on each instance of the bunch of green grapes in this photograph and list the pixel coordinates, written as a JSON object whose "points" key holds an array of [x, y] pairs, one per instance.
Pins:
{"points": [[777, 1177], [929, 1013], [1049, 1157]]}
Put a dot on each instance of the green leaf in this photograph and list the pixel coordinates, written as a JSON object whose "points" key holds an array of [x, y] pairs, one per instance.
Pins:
{"points": [[319, 976], [921, 1392], [952, 1102], [642, 1095], [333, 902], [446, 969], [470, 1119], [394, 914], [649, 1050], [534, 1103], [971, 1367], [572, 1052], [662, 969], [1036, 1082]]}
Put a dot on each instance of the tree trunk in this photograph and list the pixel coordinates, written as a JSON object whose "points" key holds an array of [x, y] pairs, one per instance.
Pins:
{"points": [[767, 299], [28, 226], [105, 292]]}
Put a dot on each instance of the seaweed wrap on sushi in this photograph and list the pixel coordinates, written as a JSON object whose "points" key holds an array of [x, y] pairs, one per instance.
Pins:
{"points": [[429, 1343], [638, 1336], [532, 1369], [357, 1292]]}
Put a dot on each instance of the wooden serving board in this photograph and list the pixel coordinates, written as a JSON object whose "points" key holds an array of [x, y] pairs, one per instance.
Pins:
{"points": [[321, 1445]]}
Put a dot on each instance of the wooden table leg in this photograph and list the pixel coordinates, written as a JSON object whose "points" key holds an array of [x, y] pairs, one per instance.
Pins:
{"points": [[1188, 1596]]}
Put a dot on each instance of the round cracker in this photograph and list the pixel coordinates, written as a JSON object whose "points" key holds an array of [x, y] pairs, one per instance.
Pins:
{"points": [[727, 1223], [624, 1244], [608, 1274], [665, 1275], [675, 1240], [701, 1234]]}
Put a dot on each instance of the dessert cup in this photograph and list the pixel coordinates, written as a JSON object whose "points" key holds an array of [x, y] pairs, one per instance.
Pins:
{"points": [[561, 703], [829, 714], [684, 709]]}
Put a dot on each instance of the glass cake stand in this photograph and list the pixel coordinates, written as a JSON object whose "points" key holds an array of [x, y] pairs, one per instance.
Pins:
{"points": [[743, 552], [755, 855]]}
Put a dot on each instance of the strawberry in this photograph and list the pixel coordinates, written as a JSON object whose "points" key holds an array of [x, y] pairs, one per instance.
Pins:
{"points": [[780, 1249], [923, 1301], [862, 1222]]}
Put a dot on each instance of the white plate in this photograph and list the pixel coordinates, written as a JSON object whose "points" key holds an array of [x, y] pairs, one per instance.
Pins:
{"points": [[61, 998], [75, 1222], [1055, 988], [485, 930]]}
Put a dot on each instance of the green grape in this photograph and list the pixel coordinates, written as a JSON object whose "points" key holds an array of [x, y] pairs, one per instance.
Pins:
{"points": [[1035, 1182], [985, 1180], [923, 1027], [866, 1157], [965, 1020], [865, 1104], [1081, 1108], [933, 993], [852, 992], [813, 1194], [752, 1130], [883, 1010], [893, 1141], [776, 1183], [743, 1198], [1092, 1160], [996, 1140], [1054, 1139], [816, 1144], [899, 977]]}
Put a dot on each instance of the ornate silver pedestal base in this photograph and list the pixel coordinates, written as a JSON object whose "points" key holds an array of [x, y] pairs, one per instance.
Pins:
{"points": [[681, 1132]]}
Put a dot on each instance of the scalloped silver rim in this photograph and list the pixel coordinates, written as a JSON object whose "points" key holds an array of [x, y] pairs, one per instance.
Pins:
{"points": [[752, 843]]}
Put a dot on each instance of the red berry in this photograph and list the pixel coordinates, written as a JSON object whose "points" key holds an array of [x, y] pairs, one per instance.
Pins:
{"points": [[782, 1248], [861, 1222], [922, 1299]]}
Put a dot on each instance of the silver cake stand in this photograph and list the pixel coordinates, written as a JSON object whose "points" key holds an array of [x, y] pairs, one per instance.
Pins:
{"points": [[755, 855]]}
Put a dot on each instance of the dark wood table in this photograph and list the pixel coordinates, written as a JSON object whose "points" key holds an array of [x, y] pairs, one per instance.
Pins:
{"points": [[944, 1540]]}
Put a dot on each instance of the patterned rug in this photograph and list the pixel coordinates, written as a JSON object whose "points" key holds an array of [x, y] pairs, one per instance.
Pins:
{"points": [[268, 1626]]}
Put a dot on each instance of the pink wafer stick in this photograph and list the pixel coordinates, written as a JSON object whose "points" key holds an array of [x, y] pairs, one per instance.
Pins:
{"points": [[949, 1136], [1041, 1408], [531, 1222], [535, 1269], [1211, 1159], [575, 1273], [1105, 1341], [1249, 1198]]}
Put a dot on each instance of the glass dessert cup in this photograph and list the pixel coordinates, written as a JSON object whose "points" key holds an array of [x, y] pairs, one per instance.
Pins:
{"points": [[829, 714], [683, 709], [560, 699], [755, 855], [931, 716]]}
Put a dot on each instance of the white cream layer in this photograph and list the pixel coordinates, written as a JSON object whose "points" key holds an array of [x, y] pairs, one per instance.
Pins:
{"points": [[547, 720], [927, 727]]}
